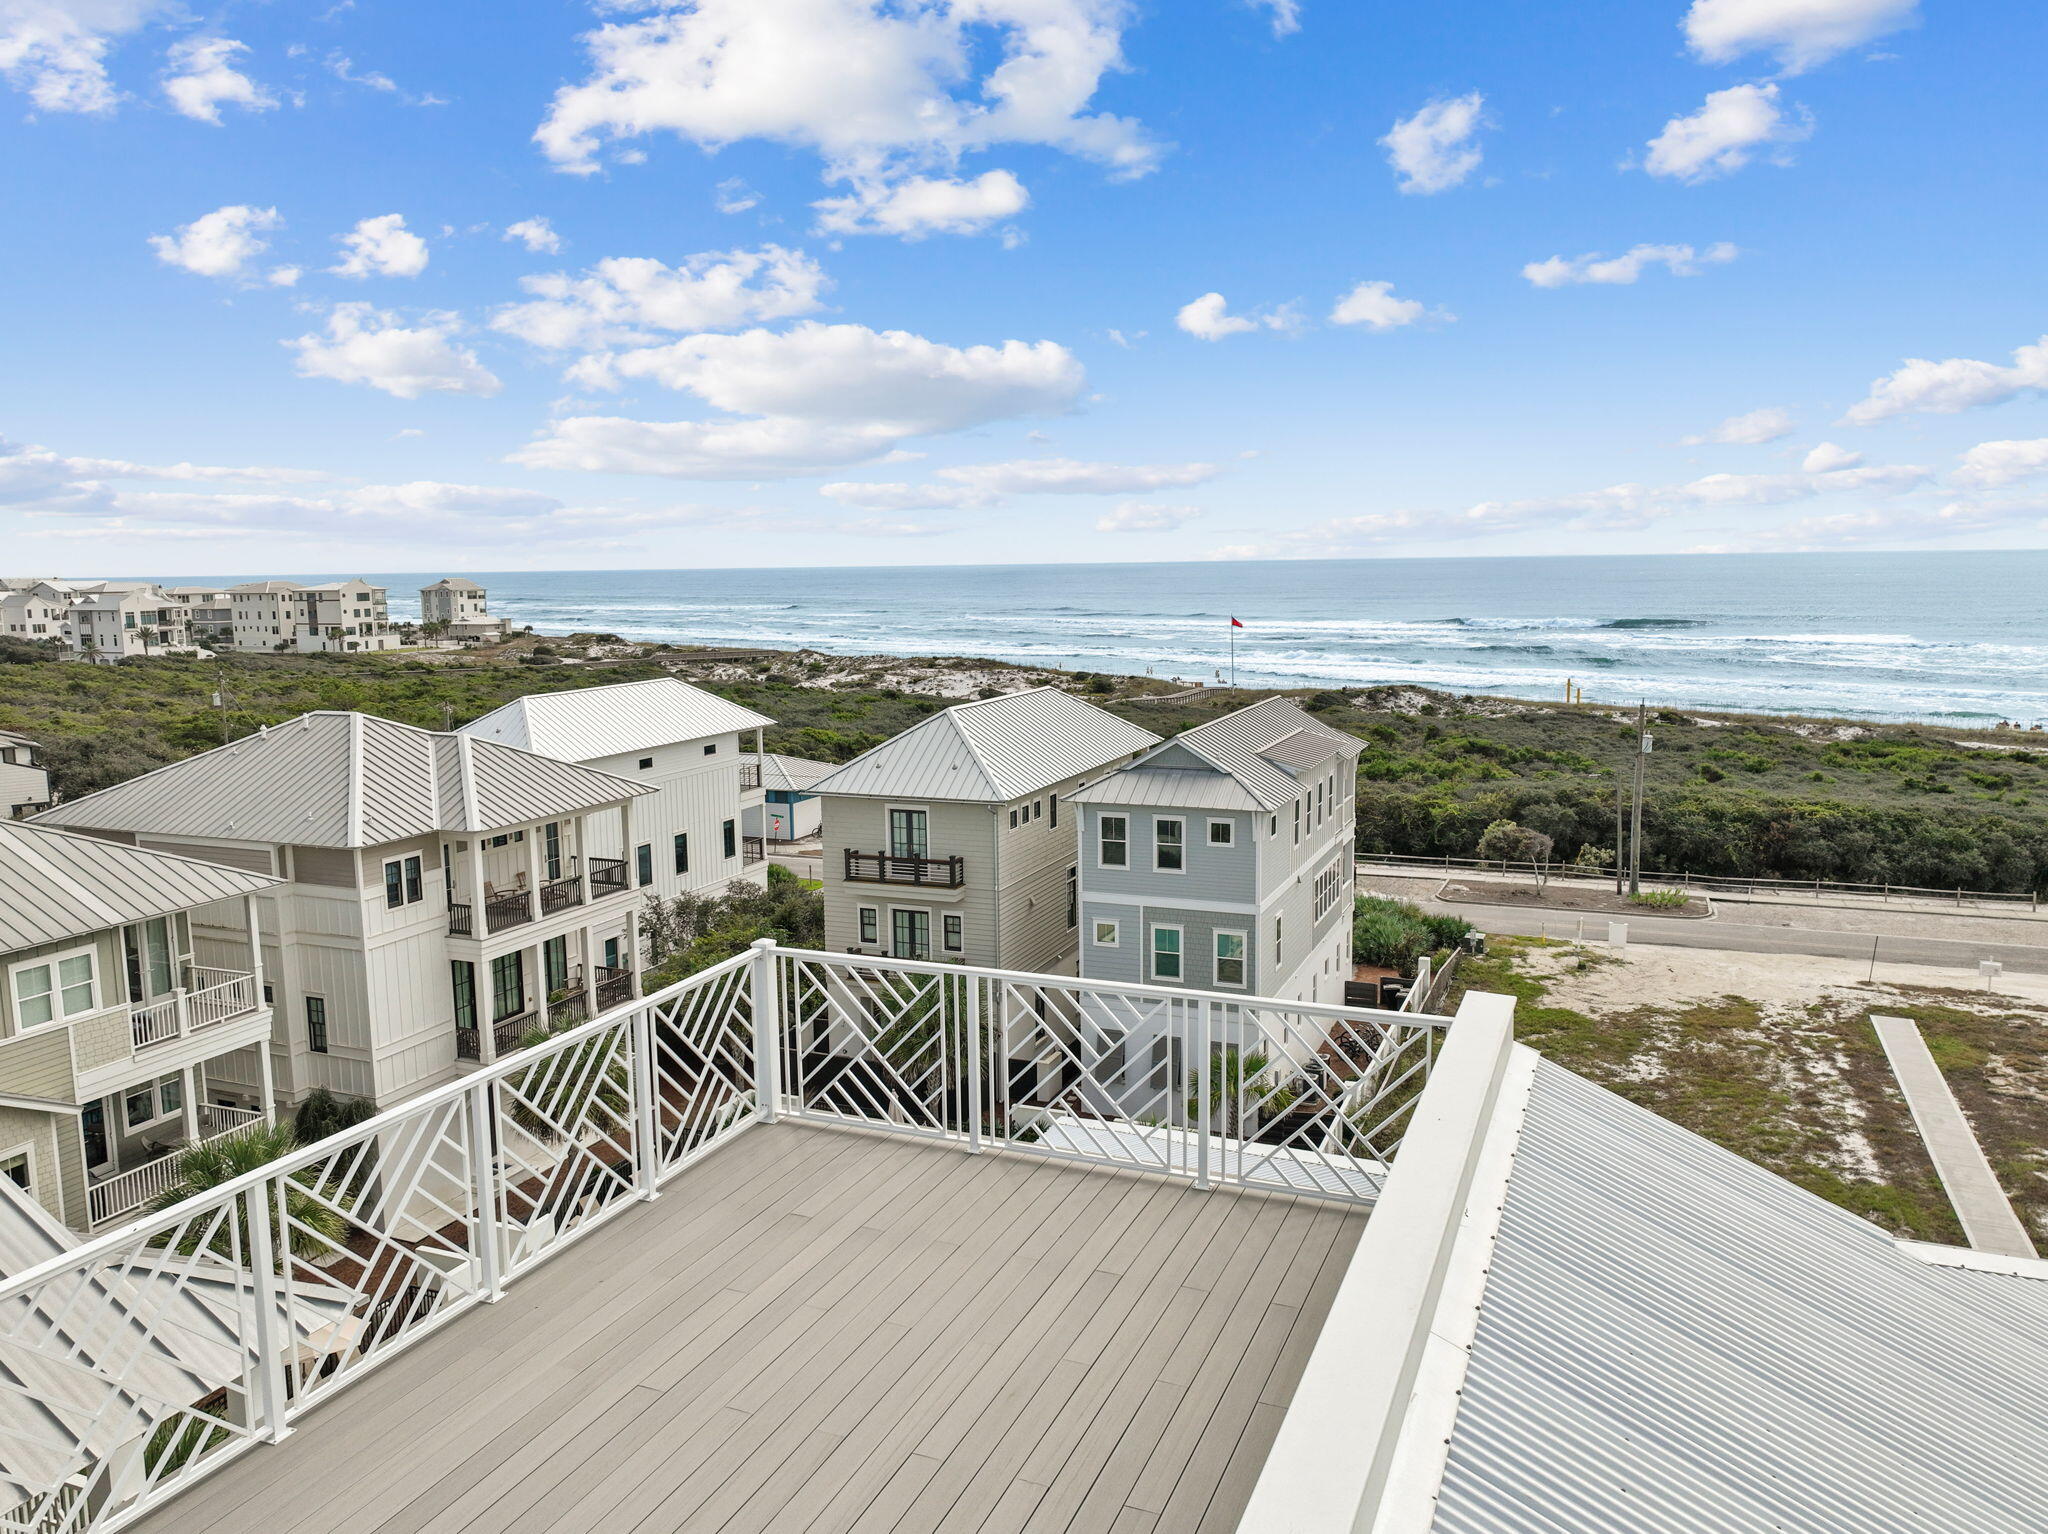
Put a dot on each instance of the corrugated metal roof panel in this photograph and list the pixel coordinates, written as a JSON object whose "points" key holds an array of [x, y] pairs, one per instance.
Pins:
{"points": [[995, 749], [795, 774], [1248, 746], [344, 780], [55, 886], [1180, 790], [1673, 1339], [586, 723]]}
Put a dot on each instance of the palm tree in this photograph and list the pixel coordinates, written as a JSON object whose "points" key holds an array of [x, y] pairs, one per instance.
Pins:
{"points": [[318, 1229]]}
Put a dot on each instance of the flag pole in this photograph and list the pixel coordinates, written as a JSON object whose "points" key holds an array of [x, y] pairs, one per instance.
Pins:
{"points": [[1233, 653]]}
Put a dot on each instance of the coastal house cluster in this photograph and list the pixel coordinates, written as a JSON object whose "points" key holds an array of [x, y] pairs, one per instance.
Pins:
{"points": [[107, 621]]}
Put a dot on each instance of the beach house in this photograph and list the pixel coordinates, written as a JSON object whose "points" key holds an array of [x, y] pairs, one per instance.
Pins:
{"points": [[789, 810], [462, 609], [948, 840], [1222, 860], [24, 781], [134, 1016], [442, 896], [681, 743]]}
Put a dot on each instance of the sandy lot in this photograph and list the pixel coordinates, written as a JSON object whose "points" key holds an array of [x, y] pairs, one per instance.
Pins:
{"points": [[1644, 976]]}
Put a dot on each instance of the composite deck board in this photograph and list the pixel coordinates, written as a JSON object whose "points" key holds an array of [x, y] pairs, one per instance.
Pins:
{"points": [[829, 1331]]}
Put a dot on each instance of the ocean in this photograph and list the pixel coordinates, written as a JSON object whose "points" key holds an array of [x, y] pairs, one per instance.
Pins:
{"points": [[1955, 638]]}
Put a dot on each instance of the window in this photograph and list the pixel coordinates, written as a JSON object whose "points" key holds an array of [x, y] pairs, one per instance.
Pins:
{"points": [[551, 850], [1038, 809], [611, 953], [870, 925], [1073, 898], [1055, 812], [1013, 820], [712, 749], [1329, 887], [57, 987], [729, 833], [554, 957], [955, 933], [1222, 833], [170, 1095], [682, 852], [508, 985], [1113, 845], [462, 978], [15, 1168], [1297, 822], [139, 1105], [402, 882], [1166, 953], [316, 1024], [643, 862], [1168, 850], [646, 762], [1108, 934], [911, 934], [1277, 943], [909, 834], [1230, 958]]}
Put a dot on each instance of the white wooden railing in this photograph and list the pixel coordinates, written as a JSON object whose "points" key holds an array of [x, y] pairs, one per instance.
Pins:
{"points": [[126, 1192], [217, 996], [337, 1256]]}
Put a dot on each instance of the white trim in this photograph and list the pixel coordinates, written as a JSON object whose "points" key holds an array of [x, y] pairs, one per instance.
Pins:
{"points": [[1216, 959], [889, 830], [26, 1149], [860, 927], [1941, 1256], [889, 942], [38, 1104], [1177, 820], [1116, 932], [1224, 907], [1125, 865], [1152, 931], [958, 920], [1228, 825], [58, 1015]]}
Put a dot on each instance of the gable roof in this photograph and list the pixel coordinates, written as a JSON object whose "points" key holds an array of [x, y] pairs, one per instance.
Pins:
{"points": [[1264, 748], [992, 750], [453, 583], [1672, 1337], [793, 774], [260, 587], [55, 886], [585, 723], [334, 779]]}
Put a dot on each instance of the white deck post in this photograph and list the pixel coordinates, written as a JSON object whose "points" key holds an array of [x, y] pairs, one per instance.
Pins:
{"points": [[267, 1074], [646, 1100], [255, 950], [268, 1340], [767, 1033], [483, 1194], [1204, 1109], [973, 1026], [188, 1079]]}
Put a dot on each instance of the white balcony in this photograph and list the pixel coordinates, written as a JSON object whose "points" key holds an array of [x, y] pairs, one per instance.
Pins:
{"points": [[934, 1247], [122, 1195]]}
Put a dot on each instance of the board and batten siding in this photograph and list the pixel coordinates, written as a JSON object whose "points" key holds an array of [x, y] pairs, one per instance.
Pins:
{"points": [[695, 795]]}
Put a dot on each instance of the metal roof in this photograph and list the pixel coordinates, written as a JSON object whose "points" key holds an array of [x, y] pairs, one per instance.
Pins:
{"points": [[55, 886], [795, 774], [992, 750], [1671, 1338], [1180, 790], [453, 583], [586, 723], [1263, 747], [345, 780]]}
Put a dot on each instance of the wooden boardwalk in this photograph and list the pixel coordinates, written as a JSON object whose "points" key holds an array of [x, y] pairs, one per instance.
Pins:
{"points": [[831, 1331]]}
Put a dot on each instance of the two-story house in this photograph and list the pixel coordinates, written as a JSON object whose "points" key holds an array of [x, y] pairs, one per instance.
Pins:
{"points": [[444, 897], [948, 841], [123, 1034], [1223, 860], [462, 608], [24, 782], [677, 740]]}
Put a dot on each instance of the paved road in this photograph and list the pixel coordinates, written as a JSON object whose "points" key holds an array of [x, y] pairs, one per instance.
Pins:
{"points": [[1747, 937]]}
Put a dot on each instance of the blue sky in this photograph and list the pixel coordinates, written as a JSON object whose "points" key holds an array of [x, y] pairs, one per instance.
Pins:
{"points": [[756, 282]]}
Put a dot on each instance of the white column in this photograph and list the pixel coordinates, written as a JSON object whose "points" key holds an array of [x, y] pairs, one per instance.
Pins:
{"points": [[478, 927], [269, 1087], [255, 926], [588, 937], [189, 1080], [535, 874], [537, 982], [626, 836], [484, 991], [632, 954]]}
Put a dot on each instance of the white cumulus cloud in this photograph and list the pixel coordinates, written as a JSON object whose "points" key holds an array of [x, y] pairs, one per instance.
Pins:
{"points": [[883, 93], [200, 77], [536, 234], [55, 51], [1922, 386], [811, 397], [1286, 15], [1433, 150], [921, 205], [1373, 305], [624, 300], [2002, 463], [1798, 33], [381, 247], [366, 345], [1828, 458], [221, 243], [1208, 318], [1751, 429], [1146, 517], [1679, 260], [1725, 134]]}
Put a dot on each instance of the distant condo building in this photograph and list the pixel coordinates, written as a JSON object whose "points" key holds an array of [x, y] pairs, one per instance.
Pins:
{"points": [[459, 605]]}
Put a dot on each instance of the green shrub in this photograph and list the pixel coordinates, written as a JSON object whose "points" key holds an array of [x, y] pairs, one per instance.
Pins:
{"points": [[1670, 900], [1394, 934]]}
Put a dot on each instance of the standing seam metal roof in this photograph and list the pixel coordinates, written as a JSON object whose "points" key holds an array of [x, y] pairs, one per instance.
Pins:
{"points": [[585, 723], [1672, 1338], [993, 750], [345, 780], [55, 886], [1255, 745]]}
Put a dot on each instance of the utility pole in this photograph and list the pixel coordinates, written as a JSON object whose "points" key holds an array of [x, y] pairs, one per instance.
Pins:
{"points": [[1635, 837], [1620, 836]]}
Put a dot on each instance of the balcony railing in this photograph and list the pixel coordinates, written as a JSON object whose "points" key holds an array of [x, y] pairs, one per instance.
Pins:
{"points": [[461, 921], [753, 849], [465, 1188], [890, 868], [216, 996], [607, 877], [560, 894], [507, 908], [126, 1192], [506, 1033], [750, 774], [614, 987]]}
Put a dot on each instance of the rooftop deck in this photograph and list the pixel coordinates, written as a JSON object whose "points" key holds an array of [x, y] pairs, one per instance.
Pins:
{"points": [[833, 1330]]}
